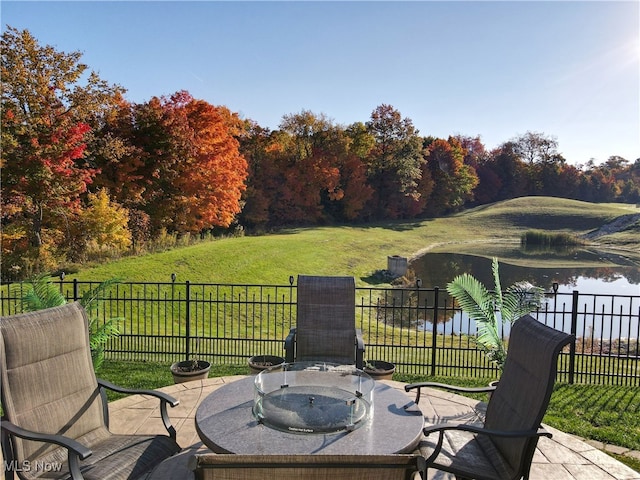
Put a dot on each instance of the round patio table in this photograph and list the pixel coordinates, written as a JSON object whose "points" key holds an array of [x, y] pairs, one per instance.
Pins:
{"points": [[226, 424]]}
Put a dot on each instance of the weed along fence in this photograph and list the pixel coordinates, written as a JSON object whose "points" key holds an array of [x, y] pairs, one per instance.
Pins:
{"points": [[420, 330]]}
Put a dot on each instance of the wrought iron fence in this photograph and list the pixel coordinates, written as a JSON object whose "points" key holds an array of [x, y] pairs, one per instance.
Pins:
{"points": [[420, 330]]}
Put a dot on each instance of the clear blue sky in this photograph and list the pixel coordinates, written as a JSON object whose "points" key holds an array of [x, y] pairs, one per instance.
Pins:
{"points": [[495, 69]]}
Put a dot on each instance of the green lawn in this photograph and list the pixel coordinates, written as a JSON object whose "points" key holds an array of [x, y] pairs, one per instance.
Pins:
{"points": [[361, 250]]}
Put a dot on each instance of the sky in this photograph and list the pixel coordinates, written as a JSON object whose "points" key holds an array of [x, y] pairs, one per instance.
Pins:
{"points": [[494, 69]]}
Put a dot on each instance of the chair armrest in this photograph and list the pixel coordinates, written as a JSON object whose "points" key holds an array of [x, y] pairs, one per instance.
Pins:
{"points": [[289, 345], [359, 349], [173, 402], [452, 388], [75, 450], [66, 442], [540, 431], [163, 397]]}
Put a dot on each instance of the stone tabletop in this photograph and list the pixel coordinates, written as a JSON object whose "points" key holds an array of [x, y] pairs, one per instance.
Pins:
{"points": [[226, 424]]}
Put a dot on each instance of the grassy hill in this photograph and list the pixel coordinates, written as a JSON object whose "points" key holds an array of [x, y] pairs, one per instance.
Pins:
{"points": [[360, 250]]}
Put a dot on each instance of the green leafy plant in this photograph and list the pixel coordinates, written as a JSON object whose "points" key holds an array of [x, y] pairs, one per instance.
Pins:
{"points": [[489, 309], [40, 293]]}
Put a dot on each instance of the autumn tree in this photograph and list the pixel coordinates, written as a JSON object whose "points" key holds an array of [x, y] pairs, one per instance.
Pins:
{"points": [[262, 178], [103, 226], [477, 157], [394, 164], [511, 172], [211, 180], [309, 171], [119, 160], [49, 100], [353, 171], [307, 159], [453, 180], [180, 163]]}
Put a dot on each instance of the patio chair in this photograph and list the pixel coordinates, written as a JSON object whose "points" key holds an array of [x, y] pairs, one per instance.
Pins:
{"points": [[309, 467], [326, 322], [56, 418], [503, 447]]}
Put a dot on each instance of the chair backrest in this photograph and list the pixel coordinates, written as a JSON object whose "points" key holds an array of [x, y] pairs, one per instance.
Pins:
{"points": [[48, 382], [309, 467], [326, 319], [522, 396]]}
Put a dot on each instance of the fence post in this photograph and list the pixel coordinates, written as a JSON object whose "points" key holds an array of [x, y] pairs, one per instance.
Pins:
{"points": [[187, 313], [76, 297], [574, 329], [434, 333]]}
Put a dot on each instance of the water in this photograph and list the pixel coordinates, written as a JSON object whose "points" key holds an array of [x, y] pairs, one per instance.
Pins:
{"points": [[438, 269], [612, 282]]}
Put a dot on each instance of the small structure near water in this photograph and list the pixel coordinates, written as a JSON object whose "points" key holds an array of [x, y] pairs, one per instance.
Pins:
{"points": [[397, 265]]}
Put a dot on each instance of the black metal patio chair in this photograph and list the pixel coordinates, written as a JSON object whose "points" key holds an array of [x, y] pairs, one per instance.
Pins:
{"points": [[503, 447], [326, 322], [56, 418]]}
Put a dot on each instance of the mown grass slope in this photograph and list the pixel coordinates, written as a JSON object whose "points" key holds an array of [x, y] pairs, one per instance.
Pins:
{"points": [[360, 250]]}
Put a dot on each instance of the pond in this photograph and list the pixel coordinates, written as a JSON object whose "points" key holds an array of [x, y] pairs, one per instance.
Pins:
{"points": [[596, 275], [622, 278]]}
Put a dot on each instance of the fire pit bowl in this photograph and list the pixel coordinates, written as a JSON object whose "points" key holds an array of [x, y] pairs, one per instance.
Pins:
{"points": [[313, 397]]}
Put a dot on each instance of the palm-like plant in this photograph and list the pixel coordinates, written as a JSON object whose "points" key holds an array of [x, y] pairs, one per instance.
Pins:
{"points": [[489, 309], [38, 294], [41, 293]]}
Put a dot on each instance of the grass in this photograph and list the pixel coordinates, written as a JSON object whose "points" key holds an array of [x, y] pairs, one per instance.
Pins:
{"points": [[152, 375], [361, 250], [609, 414], [541, 238]]}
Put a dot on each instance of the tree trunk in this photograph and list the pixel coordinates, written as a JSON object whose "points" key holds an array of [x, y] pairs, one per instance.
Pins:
{"points": [[36, 239]]}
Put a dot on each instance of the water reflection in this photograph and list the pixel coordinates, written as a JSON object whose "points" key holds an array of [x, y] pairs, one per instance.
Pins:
{"points": [[609, 314], [438, 269]]}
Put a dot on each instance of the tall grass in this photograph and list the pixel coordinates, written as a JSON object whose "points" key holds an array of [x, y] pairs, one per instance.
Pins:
{"points": [[550, 239]]}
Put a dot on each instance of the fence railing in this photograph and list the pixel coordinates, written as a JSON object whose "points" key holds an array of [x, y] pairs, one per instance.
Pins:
{"points": [[420, 330]]}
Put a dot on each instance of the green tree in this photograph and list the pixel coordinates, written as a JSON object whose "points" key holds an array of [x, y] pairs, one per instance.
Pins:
{"points": [[395, 163]]}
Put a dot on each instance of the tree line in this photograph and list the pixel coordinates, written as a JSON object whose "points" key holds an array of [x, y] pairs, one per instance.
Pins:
{"points": [[87, 174]]}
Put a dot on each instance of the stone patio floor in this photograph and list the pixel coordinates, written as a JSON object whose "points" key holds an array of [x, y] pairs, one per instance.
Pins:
{"points": [[564, 457]]}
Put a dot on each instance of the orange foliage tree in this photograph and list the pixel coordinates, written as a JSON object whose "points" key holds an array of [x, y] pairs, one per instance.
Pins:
{"points": [[181, 165], [309, 171], [211, 180], [454, 181]]}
